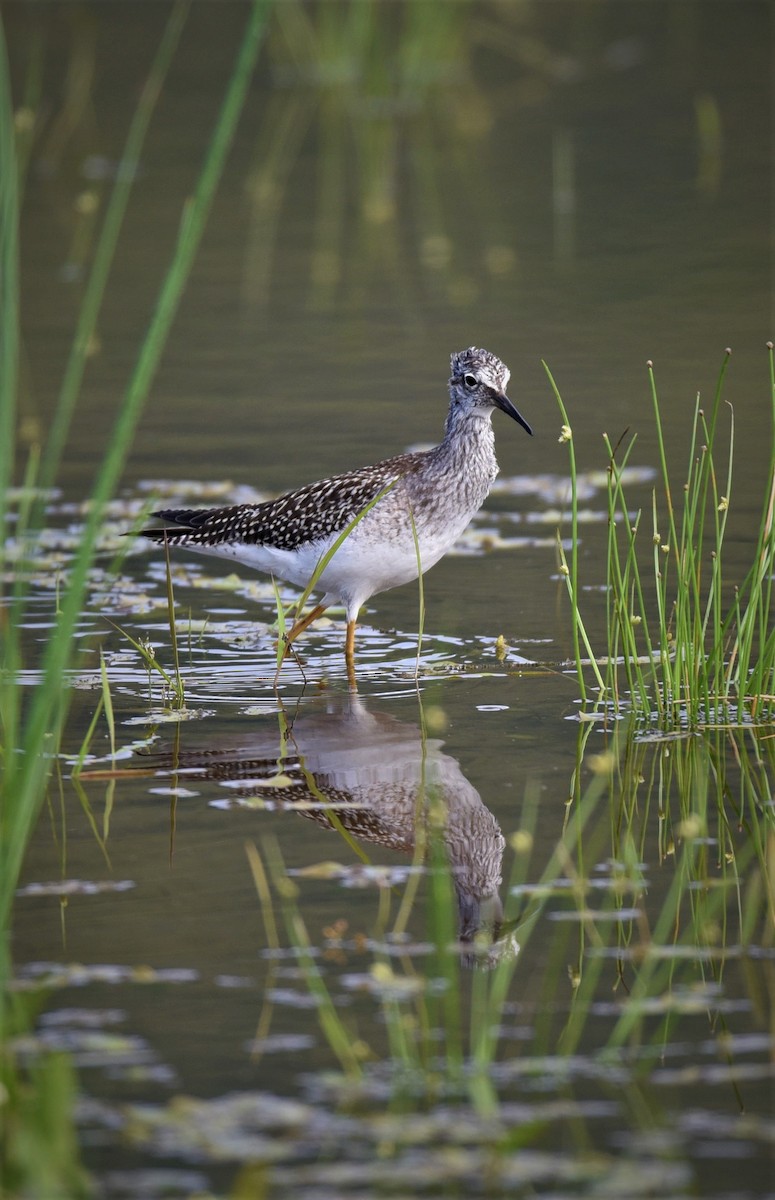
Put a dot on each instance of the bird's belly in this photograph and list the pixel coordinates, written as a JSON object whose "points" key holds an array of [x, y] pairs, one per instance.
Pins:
{"points": [[360, 569], [366, 564], [293, 566], [372, 559]]}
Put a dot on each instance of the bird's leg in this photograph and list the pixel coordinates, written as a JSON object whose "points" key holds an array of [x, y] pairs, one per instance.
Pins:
{"points": [[300, 625], [349, 653]]}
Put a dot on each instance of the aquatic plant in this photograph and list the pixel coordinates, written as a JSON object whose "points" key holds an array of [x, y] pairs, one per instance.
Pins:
{"points": [[661, 816], [38, 1102], [686, 644], [36, 730]]}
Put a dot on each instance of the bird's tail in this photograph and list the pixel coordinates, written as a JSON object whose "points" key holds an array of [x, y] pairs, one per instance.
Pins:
{"points": [[187, 520]]}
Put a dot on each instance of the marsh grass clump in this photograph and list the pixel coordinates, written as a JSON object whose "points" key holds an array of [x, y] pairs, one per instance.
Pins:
{"points": [[687, 645]]}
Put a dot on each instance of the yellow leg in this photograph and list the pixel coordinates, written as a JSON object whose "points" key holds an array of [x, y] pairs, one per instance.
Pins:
{"points": [[302, 624], [349, 652]]}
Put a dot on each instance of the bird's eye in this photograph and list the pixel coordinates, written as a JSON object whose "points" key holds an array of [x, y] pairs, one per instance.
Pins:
{"points": [[470, 381]]}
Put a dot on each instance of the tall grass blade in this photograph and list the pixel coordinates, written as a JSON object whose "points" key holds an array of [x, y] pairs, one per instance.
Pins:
{"points": [[281, 623], [108, 239], [335, 1032], [706, 651], [572, 572], [48, 705], [179, 692], [421, 593], [325, 558], [77, 767], [107, 701], [9, 283]]}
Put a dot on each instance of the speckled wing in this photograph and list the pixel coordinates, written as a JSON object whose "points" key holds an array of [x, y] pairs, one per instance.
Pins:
{"points": [[295, 519]]}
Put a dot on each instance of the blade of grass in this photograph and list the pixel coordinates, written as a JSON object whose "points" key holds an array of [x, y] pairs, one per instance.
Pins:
{"points": [[179, 690], [9, 283], [325, 558], [148, 657], [281, 623], [47, 706], [580, 633], [335, 1032], [446, 958], [421, 593], [87, 739], [108, 239], [572, 576]]}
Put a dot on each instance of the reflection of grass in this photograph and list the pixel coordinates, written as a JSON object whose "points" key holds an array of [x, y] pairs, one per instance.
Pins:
{"points": [[640, 925], [684, 646], [697, 811], [657, 966], [439, 1044], [400, 124], [32, 730], [643, 909], [336, 1032]]}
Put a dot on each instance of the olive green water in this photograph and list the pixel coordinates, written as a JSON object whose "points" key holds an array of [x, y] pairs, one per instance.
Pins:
{"points": [[584, 183]]}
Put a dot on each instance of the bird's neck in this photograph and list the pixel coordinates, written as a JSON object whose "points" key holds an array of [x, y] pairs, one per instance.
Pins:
{"points": [[468, 435], [467, 453]]}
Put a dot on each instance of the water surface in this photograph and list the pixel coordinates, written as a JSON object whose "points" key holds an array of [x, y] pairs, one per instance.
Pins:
{"points": [[588, 184]]}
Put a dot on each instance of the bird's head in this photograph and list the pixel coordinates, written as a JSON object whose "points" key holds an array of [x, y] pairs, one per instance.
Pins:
{"points": [[478, 384]]}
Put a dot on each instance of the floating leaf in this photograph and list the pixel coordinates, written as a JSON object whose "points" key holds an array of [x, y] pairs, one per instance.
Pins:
{"points": [[76, 887], [321, 870]]}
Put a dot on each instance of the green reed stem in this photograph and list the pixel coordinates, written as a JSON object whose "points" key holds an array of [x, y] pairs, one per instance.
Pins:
{"points": [[106, 244], [335, 1032], [701, 654], [447, 961], [580, 633], [671, 546], [762, 681], [572, 577], [107, 700], [9, 283], [77, 766], [325, 559], [421, 593], [179, 690], [30, 769], [750, 617], [281, 622], [625, 590]]}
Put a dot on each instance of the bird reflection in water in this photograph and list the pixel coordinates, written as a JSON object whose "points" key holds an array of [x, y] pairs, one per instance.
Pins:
{"points": [[375, 777]]}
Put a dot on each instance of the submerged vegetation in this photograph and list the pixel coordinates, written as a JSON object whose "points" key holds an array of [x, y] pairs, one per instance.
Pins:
{"points": [[688, 646]]}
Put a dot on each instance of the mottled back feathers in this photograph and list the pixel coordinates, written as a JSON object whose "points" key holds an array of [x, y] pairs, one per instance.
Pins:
{"points": [[310, 514]]}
